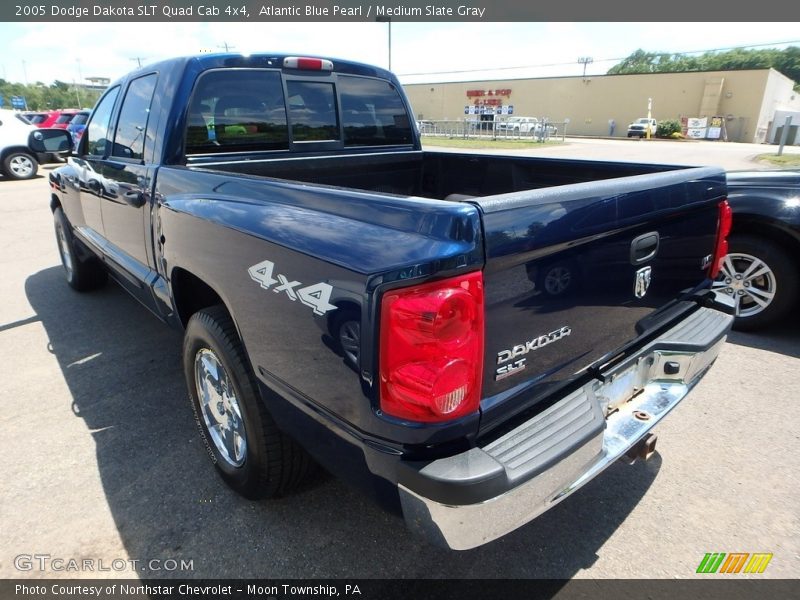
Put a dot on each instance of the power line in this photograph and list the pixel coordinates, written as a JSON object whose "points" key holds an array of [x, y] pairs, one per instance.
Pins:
{"points": [[599, 60]]}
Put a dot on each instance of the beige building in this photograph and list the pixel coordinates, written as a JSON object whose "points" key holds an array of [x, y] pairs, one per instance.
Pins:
{"points": [[748, 100]]}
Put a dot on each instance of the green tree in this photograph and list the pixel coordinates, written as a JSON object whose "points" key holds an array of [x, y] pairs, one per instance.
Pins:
{"points": [[40, 96], [786, 61]]}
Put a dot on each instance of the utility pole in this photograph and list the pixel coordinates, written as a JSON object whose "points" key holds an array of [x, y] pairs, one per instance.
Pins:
{"points": [[77, 95], [80, 81], [585, 61], [138, 60], [387, 20], [226, 46]]}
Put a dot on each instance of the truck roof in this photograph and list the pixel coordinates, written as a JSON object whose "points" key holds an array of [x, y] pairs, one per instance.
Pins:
{"points": [[202, 62]]}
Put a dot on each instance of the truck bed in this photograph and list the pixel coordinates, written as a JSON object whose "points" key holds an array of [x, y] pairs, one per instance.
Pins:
{"points": [[436, 175]]}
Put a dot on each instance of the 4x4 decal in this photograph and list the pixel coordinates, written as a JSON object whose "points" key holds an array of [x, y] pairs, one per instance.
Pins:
{"points": [[316, 296]]}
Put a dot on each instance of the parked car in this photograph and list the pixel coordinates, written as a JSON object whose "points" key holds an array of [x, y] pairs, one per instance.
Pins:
{"points": [[64, 118], [77, 125], [762, 269], [345, 295], [639, 127], [525, 126], [17, 160], [58, 119]]}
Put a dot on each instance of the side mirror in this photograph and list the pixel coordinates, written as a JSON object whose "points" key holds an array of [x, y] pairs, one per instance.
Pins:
{"points": [[53, 141]]}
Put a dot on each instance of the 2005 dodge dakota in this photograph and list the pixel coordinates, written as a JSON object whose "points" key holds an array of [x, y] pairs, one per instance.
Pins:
{"points": [[468, 337]]}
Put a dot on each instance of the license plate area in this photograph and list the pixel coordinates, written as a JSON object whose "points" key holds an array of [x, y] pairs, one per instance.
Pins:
{"points": [[619, 389]]}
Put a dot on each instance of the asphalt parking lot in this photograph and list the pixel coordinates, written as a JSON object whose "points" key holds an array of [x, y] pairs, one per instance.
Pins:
{"points": [[103, 460]]}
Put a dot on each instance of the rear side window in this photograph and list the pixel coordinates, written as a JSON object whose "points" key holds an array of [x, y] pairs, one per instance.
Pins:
{"points": [[97, 130], [236, 110], [373, 114], [133, 117], [312, 110], [65, 118]]}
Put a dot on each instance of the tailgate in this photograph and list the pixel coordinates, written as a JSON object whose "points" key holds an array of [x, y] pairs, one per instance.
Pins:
{"points": [[575, 273]]}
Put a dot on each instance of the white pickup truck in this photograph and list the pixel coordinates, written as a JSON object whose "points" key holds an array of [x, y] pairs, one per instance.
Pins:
{"points": [[639, 127]]}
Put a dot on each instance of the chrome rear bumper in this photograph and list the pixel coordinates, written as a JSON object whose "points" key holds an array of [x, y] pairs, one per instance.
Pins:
{"points": [[544, 460]]}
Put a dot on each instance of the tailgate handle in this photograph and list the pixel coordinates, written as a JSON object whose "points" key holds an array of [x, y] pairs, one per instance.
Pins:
{"points": [[644, 247]]}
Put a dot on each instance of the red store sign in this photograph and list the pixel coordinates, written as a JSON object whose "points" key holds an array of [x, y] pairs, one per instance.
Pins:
{"points": [[481, 93]]}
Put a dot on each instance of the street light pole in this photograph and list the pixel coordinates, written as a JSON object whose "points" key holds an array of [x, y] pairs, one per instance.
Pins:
{"points": [[387, 20]]}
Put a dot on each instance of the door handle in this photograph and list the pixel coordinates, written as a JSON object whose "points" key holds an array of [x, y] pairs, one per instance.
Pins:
{"points": [[644, 247], [135, 198]]}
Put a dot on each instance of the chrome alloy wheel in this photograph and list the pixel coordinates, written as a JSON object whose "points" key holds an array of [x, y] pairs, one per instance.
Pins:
{"points": [[750, 282], [63, 247], [21, 166], [221, 411]]}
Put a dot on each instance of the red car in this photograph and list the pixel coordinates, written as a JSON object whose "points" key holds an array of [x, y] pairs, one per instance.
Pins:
{"points": [[56, 119]]}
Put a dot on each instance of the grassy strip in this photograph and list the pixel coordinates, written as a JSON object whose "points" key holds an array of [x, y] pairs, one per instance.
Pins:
{"points": [[784, 160], [484, 144]]}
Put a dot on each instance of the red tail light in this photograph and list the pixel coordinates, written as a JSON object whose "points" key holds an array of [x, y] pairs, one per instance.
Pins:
{"points": [[723, 230], [431, 346]]}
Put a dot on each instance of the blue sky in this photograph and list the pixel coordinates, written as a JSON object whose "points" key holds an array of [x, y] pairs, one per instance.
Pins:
{"points": [[71, 51]]}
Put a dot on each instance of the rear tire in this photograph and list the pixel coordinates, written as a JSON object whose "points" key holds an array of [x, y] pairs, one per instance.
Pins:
{"points": [[762, 278], [251, 454], [83, 273]]}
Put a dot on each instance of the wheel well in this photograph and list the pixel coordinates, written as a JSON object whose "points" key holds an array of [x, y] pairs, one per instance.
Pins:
{"points": [[191, 294], [743, 225], [342, 307], [12, 149]]}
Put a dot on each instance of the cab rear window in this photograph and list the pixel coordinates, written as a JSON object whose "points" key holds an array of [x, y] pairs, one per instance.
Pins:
{"points": [[245, 110]]}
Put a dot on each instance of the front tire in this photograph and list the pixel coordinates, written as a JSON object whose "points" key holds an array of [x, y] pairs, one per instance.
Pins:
{"points": [[83, 273], [249, 451], [762, 279], [20, 165]]}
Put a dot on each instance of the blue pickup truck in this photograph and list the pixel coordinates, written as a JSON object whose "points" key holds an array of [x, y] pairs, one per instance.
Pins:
{"points": [[469, 338]]}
